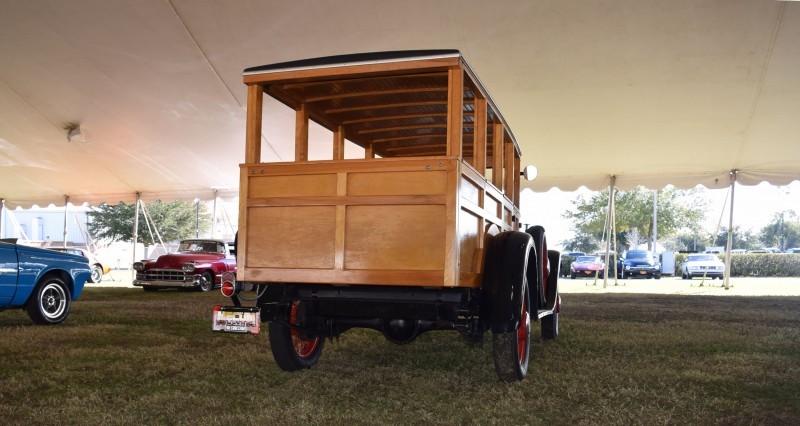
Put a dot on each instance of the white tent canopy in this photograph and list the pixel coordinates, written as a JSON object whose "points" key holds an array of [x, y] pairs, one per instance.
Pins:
{"points": [[652, 92]]}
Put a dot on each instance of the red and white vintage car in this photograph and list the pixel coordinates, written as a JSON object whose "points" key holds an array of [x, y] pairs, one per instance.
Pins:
{"points": [[198, 263]]}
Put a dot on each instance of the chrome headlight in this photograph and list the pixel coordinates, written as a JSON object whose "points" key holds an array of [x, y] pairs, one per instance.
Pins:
{"points": [[188, 267], [138, 266]]}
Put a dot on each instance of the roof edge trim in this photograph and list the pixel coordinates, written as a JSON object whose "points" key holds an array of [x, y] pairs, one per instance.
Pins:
{"points": [[352, 59]]}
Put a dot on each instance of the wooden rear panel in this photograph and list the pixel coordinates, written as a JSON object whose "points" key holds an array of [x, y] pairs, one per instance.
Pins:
{"points": [[351, 222]]}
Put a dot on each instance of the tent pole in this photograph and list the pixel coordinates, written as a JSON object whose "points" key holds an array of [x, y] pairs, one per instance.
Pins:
{"points": [[610, 212], [135, 233], [614, 233], [2, 216], [66, 213], [727, 273], [655, 221], [214, 217]]}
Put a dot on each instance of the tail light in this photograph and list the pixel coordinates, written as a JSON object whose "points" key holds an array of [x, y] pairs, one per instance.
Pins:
{"points": [[228, 284]]}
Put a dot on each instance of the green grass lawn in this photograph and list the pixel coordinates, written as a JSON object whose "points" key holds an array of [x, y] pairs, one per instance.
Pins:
{"points": [[129, 357]]}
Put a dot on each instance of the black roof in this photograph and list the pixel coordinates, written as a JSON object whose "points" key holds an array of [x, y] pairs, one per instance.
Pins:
{"points": [[353, 57]]}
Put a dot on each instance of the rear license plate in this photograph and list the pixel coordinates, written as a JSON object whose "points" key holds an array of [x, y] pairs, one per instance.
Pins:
{"points": [[642, 272], [231, 319]]}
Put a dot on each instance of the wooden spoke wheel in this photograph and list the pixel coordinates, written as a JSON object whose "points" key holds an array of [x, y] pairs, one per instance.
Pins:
{"points": [[512, 350]]}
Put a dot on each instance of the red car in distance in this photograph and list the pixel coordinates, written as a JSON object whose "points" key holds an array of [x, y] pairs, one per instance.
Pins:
{"points": [[587, 266], [198, 263]]}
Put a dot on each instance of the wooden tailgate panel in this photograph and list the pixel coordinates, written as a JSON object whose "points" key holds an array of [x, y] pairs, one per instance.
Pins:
{"points": [[375, 222]]}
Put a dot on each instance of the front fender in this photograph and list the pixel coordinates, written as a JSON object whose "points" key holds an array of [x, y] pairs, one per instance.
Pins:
{"points": [[504, 279]]}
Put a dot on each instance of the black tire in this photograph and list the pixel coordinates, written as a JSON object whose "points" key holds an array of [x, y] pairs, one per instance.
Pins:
{"points": [[292, 349], [572, 276], [538, 271], [553, 257], [97, 274], [550, 322], [512, 350], [658, 276], [50, 302], [206, 282]]}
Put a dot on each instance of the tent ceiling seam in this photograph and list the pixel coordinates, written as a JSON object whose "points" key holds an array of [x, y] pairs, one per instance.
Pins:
{"points": [[25, 100], [214, 69], [759, 85]]}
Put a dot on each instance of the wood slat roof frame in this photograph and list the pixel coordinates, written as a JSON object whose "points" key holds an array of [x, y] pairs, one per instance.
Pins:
{"points": [[282, 80]]}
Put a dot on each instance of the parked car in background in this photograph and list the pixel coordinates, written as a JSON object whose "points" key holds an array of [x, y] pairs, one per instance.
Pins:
{"points": [[639, 263], [698, 265], [98, 269], [587, 266], [198, 263], [794, 250], [566, 262], [43, 282]]}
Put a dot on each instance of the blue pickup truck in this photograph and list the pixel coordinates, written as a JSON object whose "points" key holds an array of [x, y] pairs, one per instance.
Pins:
{"points": [[43, 282]]}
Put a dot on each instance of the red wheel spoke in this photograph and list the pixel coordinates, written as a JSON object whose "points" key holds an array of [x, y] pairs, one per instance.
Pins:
{"points": [[303, 348]]}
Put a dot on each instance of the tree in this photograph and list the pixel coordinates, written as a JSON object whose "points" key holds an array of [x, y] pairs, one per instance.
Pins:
{"points": [[677, 210], [782, 232], [584, 243], [742, 239], [176, 220]]}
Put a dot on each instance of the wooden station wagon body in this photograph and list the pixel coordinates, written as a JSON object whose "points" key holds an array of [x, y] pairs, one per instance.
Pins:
{"points": [[419, 233], [414, 211]]}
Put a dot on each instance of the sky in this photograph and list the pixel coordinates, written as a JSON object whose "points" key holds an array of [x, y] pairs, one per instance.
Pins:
{"points": [[753, 208]]}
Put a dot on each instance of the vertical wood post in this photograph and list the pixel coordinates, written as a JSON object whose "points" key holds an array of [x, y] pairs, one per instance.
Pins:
{"points": [[369, 151], [301, 134], [338, 143], [455, 111], [508, 159], [479, 149], [497, 154], [517, 178], [255, 101]]}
